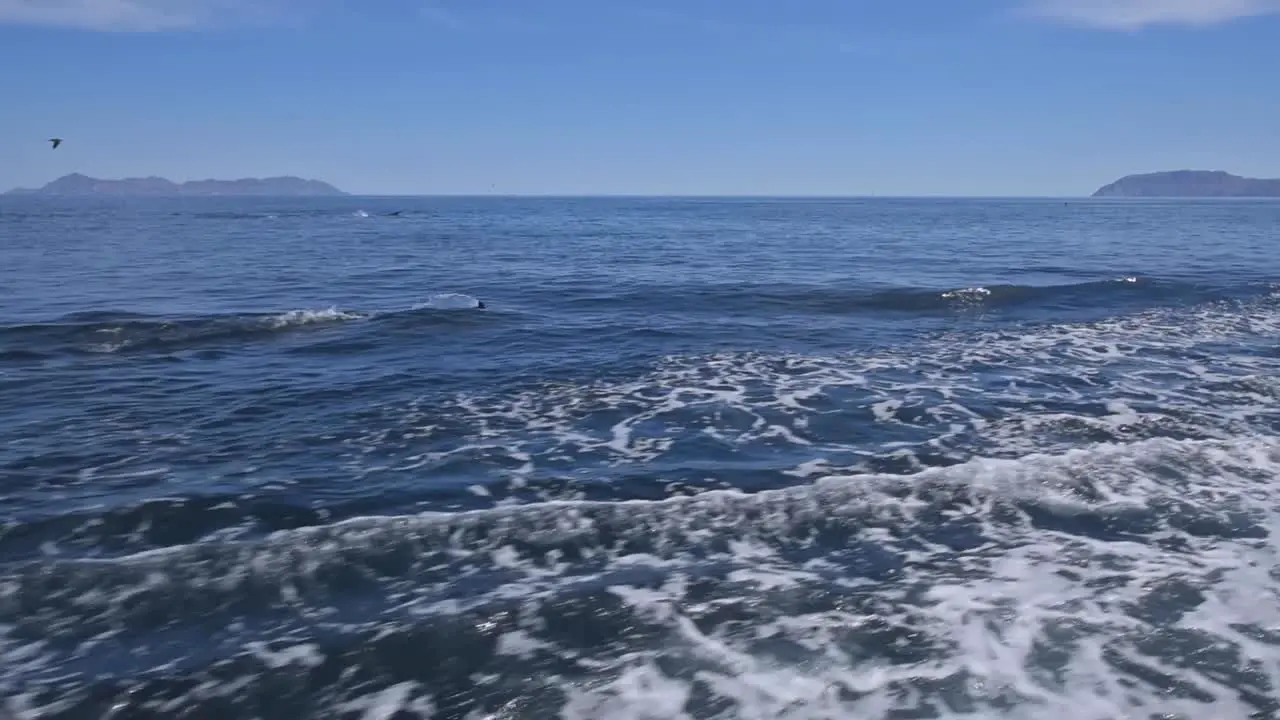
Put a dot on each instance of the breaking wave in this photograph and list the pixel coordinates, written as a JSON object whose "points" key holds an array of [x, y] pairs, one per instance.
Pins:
{"points": [[124, 332]]}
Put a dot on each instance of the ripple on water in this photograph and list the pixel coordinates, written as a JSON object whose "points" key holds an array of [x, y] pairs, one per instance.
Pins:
{"points": [[1092, 548]]}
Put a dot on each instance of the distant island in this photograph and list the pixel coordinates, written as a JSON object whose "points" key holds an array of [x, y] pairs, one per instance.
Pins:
{"points": [[1190, 183], [77, 184]]}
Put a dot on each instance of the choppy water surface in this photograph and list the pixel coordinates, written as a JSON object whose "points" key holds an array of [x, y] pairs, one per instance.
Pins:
{"points": [[694, 459]]}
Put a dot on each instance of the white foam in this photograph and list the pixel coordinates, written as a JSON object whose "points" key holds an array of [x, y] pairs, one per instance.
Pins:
{"points": [[973, 293], [984, 614], [638, 693], [296, 318], [998, 392], [385, 703], [448, 301], [1080, 558], [519, 644], [304, 654]]}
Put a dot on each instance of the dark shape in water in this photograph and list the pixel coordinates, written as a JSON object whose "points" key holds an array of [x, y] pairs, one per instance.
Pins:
{"points": [[56, 142]]}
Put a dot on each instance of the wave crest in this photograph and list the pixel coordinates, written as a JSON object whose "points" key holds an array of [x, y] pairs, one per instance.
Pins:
{"points": [[111, 333]]}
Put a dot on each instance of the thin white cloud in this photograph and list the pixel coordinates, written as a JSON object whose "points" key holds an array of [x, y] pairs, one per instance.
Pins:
{"points": [[461, 16], [129, 15], [443, 16], [1137, 14]]}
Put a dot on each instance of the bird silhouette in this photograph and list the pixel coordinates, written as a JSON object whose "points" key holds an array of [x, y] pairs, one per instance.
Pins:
{"points": [[56, 142]]}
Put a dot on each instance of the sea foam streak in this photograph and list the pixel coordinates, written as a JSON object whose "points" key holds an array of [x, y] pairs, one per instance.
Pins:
{"points": [[1133, 574], [1198, 374]]}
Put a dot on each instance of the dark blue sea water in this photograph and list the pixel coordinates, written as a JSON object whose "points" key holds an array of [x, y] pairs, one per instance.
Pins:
{"points": [[695, 458]]}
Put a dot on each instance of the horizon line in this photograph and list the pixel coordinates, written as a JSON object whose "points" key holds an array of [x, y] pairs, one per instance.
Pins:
{"points": [[814, 196], [805, 196], [623, 196], [570, 196]]}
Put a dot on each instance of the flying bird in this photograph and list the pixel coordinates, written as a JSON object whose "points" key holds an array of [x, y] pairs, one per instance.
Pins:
{"points": [[56, 142]]}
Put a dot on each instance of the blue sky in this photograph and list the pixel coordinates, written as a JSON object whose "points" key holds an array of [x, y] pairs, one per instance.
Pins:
{"points": [[858, 97]]}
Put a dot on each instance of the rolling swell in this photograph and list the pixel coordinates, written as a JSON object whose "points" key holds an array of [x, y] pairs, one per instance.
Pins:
{"points": [[105, 332], [810, 299], [100, 332]]}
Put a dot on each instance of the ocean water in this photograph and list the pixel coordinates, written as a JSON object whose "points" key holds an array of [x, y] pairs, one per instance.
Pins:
{"points": [[695, 458]]}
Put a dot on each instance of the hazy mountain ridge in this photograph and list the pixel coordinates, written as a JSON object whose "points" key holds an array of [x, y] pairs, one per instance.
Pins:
{"points": [[78, 184], [1190, 183]]}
